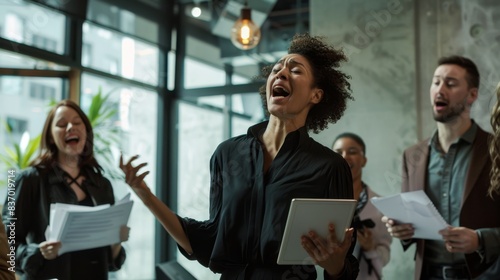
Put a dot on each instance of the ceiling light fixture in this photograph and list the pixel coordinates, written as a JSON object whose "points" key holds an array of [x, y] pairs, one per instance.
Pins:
{"points": [[245, 34], [196, 11]]}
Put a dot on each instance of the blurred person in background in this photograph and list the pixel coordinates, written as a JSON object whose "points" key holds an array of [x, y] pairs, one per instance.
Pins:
{"points": [[373, 241]]}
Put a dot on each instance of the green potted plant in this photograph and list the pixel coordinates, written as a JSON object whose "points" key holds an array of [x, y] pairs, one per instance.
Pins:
{"points": [[20, 154], [101, 113]]}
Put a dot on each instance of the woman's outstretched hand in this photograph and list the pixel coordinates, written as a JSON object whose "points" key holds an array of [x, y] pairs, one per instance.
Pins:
{"points": [[133, 178], [165, 216]]}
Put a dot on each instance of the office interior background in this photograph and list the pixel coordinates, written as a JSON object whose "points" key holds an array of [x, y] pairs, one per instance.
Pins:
{"points": [[177, 87]]}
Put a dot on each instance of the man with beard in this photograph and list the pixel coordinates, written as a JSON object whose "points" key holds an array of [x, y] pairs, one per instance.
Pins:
{"points": [[453, 168]]}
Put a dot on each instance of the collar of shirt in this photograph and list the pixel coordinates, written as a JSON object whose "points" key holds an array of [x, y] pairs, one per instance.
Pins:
{"points": [[56, 175], [468, 137], [300, 134]]}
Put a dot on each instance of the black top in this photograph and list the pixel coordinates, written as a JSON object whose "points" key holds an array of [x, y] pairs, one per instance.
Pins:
{"points": [[35, 190], [248, 209]]}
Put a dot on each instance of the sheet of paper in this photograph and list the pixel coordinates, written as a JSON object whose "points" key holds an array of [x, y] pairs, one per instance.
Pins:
{"points": [[126, 198], [414, 208], [58, 213], [83, 227]]}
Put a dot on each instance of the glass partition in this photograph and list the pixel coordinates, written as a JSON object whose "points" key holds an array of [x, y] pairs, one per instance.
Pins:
{"points": [[131, 130], [118, 54], [200, 131], [24, 104], [117, 18], [30, 24]]}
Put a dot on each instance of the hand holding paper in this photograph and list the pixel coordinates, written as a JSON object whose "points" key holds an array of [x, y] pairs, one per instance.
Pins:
{"points": [[413, 208], [49, 249], [398, 230], [82, 227]]}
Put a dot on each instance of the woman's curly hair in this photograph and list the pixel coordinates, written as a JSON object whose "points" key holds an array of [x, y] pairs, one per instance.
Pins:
{"points": [[325, 61], [495, 147]]}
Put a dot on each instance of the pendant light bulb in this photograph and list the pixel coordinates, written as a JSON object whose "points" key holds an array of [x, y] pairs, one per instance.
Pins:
{"points": [[245, 34], [196, 11]]}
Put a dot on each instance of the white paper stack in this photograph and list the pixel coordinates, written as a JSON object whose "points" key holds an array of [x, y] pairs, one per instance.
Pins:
{"points": [[85, 227]]}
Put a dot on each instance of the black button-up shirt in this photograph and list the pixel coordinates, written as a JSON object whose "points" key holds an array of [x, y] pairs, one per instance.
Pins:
{"points": [[248, 209]]}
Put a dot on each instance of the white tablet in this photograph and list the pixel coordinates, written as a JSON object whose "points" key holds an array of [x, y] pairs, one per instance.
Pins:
{"points": [[307, 214]]}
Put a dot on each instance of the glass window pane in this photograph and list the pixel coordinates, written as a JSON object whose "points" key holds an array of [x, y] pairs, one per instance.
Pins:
{"points": [[245, 67], [171, 70], [123, 20], [245, 70], [15, 60], [198, 74], [153, 3], [120, 55], [218, 101], [196, 123], [133, 130], [240, 80], [248, 104], [208, 74], [24, 112], [240, 126], [33, 25]]}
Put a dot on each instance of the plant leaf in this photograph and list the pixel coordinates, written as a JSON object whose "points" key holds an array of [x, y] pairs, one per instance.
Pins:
{"points": [[30, 151]]}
